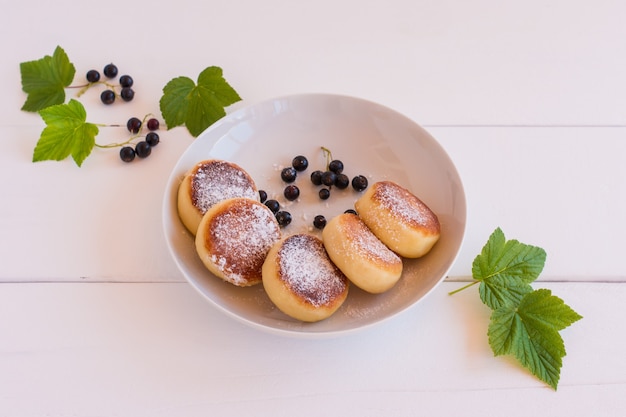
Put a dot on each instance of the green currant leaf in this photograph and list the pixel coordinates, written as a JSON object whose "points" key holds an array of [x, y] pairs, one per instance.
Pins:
{"points": [[505, 270], [197, 106], [66, 133], [45, 79], [174, 102], [530, 332]]}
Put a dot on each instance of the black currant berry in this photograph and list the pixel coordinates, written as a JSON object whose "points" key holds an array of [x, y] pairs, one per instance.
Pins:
{"points": [[273, 205], [127, 94], [359, 183], [292, 192], [288, 174], [143, 149], [153, 139], [324, 193], [126, 81], [316, 177], [300, 163], [153, 124], [133, 125], [319, 221], [342, 181], [127, 154], [110, 71], [283, 218], [93, 76], [351, 211], [107, 96], [328, 178], [336, 166], [262, 196]]}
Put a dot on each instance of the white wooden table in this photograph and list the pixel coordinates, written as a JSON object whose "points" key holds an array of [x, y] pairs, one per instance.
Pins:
{"points": [[529, 100]]}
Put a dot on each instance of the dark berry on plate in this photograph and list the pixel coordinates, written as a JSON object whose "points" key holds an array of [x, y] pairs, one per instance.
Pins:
{"points": [[336, 166], [152, 138], [352, 211], [359, 183], [127, 94], [319, 221], [153, 124], [107, 96], [133, 125], [324, 193], [316, 177], [127, 154], [273, 205], [283, 218], [126, 81], [262, 196], [292, 192], [288, 174], [93, 76], [342, 181], [110, 71], [328, 178], [143, 149], [300, 163]]}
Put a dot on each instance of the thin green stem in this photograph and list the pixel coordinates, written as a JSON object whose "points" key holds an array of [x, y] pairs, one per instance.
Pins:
{"points": [[85, 87], [130, 140], [329, 156], [464, 287]]}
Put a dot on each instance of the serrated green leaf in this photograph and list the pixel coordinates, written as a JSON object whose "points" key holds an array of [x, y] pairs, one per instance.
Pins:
{"points": [[175, 101], [530, 332], [45, 79], [544, 310], [506, 264], [499, 290], [66, 133], [197, 106]]}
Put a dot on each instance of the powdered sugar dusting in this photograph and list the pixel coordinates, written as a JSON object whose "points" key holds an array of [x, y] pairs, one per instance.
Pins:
{"points": [[241, 237], [365, 243], [215, 180], [308, 271], [402, 204]]}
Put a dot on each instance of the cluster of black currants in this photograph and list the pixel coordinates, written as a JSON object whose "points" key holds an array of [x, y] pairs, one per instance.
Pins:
{"points": [[282, 216], [291, 191], [333, 176], [143, 148], [108, 96]]}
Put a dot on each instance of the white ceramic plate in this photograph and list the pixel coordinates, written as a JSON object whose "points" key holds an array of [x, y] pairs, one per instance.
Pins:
{"points": [[371, 140]]}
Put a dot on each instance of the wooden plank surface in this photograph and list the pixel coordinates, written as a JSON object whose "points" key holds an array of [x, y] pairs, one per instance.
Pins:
{"points": [[160, 350]]}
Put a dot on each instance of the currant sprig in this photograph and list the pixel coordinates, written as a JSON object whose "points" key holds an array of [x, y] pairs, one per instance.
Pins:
{"points": [[108, 96], [195, 105], [131, 148]]}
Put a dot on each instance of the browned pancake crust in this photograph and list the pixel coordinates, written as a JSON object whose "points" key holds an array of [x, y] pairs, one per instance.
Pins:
{"points": [[234, 238], [404, 206], [208, 183], [305, 268]]}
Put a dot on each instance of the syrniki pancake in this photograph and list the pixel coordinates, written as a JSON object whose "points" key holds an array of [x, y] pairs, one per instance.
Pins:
{"points": [[302, 281], [208, 183], [365, 260], [399, 219], [234, 237]]}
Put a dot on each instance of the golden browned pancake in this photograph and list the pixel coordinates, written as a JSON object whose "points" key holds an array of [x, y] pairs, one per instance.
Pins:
{"points": [[399, 219], [302, 281], [208, 183], [234, 238], [362, 257]]}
